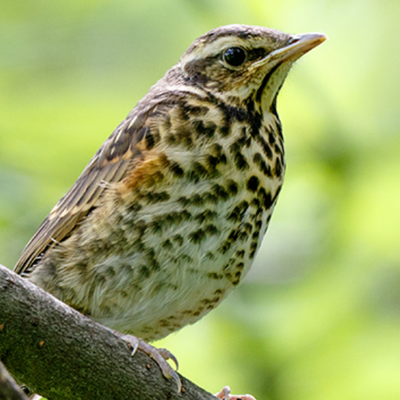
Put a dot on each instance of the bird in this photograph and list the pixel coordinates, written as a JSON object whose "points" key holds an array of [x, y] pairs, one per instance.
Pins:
{"points": [[166, 219]]}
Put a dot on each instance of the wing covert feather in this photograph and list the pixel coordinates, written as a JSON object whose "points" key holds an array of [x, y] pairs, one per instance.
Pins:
{"points": [[109, 165]]}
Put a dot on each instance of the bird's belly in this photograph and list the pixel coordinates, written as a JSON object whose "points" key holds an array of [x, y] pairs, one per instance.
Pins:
{"points": [[180, 293], [176, 278], [164, 269]]}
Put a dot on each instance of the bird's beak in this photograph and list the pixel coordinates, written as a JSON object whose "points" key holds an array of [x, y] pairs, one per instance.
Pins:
{"points": [[297, 46]]}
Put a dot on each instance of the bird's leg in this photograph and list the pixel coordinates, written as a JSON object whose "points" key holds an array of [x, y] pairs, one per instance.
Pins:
{"points": [[224, 394], [160, 356]]}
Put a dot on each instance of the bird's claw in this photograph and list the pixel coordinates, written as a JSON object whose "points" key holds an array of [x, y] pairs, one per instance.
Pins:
{"points": [[224, 394], [160, 356], [167, 355]]}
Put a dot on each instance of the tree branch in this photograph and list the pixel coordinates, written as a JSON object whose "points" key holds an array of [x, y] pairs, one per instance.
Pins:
{"points": [[61, 354], [9, 390]]}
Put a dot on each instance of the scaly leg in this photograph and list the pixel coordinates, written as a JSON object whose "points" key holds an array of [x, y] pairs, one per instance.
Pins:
{"points": [[158, 355]]}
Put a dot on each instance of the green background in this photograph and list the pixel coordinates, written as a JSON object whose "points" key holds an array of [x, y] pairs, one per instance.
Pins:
{"points": [[318, 316]]}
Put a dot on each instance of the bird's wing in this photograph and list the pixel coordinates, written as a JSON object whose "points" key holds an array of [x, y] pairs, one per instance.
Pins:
{"points": [[109, 165]]}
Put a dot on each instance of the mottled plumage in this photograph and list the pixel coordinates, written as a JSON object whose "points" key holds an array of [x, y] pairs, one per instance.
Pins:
{"points": [[167, 218]]}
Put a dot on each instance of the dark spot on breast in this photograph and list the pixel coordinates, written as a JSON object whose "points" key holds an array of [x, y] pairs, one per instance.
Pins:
{"points": [[205, 216], [277, 148], [255, 235], [240, 162], [240, 253], [236, 281], [204, 129], [239, 159], [211, 229], [169, 219], [224, 131], [278, 124], [157, 197], [134, 208], [196, 172], [183, 137], [167, 244], [271, 137], [212, 162], [234, 148], [240, 266], [184, 258], [232, 187], [210, 255], [255, 203], [258, 213], [153, 264], [224, 247], [184, 201], [184, 215], [233, 235], [216, 149], [163, 322], [265, 198], [144, 271], [140, 227], [214, 275], [176, 169], [253, 183], [261, 164], [197, 237], [211, 198], [220, 192], [155, 226], [278, 167], [248, 227], [277, 193], [253, 246], [245, 139], [196, 200], [238, 212], [266, 149], [178, 239]]}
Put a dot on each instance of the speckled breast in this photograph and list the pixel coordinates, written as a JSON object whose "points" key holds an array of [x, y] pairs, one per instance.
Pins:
{"points": [[198, 233], [183, 230]]}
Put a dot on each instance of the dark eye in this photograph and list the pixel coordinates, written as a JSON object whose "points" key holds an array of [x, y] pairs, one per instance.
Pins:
{"points": [[234, 56]]}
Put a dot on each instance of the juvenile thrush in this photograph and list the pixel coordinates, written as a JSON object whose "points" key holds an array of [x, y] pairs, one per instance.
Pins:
{"points": [[167, 218]]}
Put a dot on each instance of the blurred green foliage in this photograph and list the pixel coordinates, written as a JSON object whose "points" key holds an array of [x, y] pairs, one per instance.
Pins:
{"points": [[318, 317]]}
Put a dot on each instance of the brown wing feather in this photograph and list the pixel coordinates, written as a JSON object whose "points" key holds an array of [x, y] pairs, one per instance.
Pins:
{"points": [[109, 165]]}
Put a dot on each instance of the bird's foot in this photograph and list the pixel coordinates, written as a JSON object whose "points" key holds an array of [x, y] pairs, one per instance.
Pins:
{"points": [[224, 394], [160, 356]]}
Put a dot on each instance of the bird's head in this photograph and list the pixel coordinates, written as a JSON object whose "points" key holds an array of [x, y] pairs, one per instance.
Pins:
{"points": [[238, 61]]}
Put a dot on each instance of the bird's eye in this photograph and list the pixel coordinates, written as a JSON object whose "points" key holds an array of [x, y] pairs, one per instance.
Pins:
{"points": [[234, 56]]}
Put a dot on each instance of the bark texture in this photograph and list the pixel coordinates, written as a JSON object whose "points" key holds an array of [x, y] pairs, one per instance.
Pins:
{"points": [[61, 354]]}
